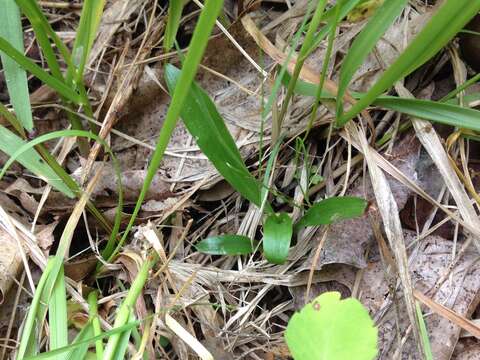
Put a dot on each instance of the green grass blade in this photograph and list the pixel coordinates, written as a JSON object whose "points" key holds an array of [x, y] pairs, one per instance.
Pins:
{"points": [[29, 332], [365, 42], [332, 210], [15, 76], [175, 9], [277, 235], [80, 351], [43, 30], [24, 152], [442, 113], [9, 143], [424, 333], [444, 24], [226, 245], [124, 339], [41, 74], [93, 314], [57, 313], [12, 120], [124, 311], [212, 136], [192, 60], [87, 29], [54, 354]]}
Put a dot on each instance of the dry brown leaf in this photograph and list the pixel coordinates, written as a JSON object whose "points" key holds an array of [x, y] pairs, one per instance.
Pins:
{"points": [[10, 262]]}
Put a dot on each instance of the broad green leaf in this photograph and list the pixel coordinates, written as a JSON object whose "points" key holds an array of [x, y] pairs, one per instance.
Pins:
{"points": [[332, 329], [57, 314], [226, 245], [277, 235], [196, 49], [173, 22], [442, 27], [36, 70], [365, 42], [15, 76], [30, 159], [332, 210], [206, 125]]}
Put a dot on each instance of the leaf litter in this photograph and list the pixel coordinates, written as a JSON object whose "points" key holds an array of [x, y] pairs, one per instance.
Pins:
{"points": [[243, 302]]}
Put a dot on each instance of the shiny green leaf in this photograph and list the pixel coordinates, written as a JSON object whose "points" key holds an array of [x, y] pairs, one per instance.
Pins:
{"points": [[332, 210], [226, 245], [277, 236]]}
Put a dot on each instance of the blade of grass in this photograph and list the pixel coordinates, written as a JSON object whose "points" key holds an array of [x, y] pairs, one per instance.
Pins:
{"points": [[424, 333], [9, 143], [124, 311], [54, 354], [87, 29], [27, 345], [12, 120], [175, 9], [365, 42], [124, 340], [195, 52], [57, 313], [93, 314], [15, 76], [444, 24], [25, 148], [36, 70], [43, 30]]}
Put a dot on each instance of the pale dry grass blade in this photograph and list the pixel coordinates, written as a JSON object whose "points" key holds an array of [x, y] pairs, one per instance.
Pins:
{"points": [[393, 228]]}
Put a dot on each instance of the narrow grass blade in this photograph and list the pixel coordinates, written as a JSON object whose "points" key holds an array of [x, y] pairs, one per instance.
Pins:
{"points": [[54, 354], [57, 314], [43, 30], [122, 345], [30, 159], [365, 42], [24, 151], [212, 136], [424, 333], [448, 20], [15, 76], [277, 236], [41, 74], [124, 312], [87, 29], [28, 344], [173, 22], [226, 245], [12, 120], [332, 210], [93, 314], [192, 60], [442, 113], [80, 351]]}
